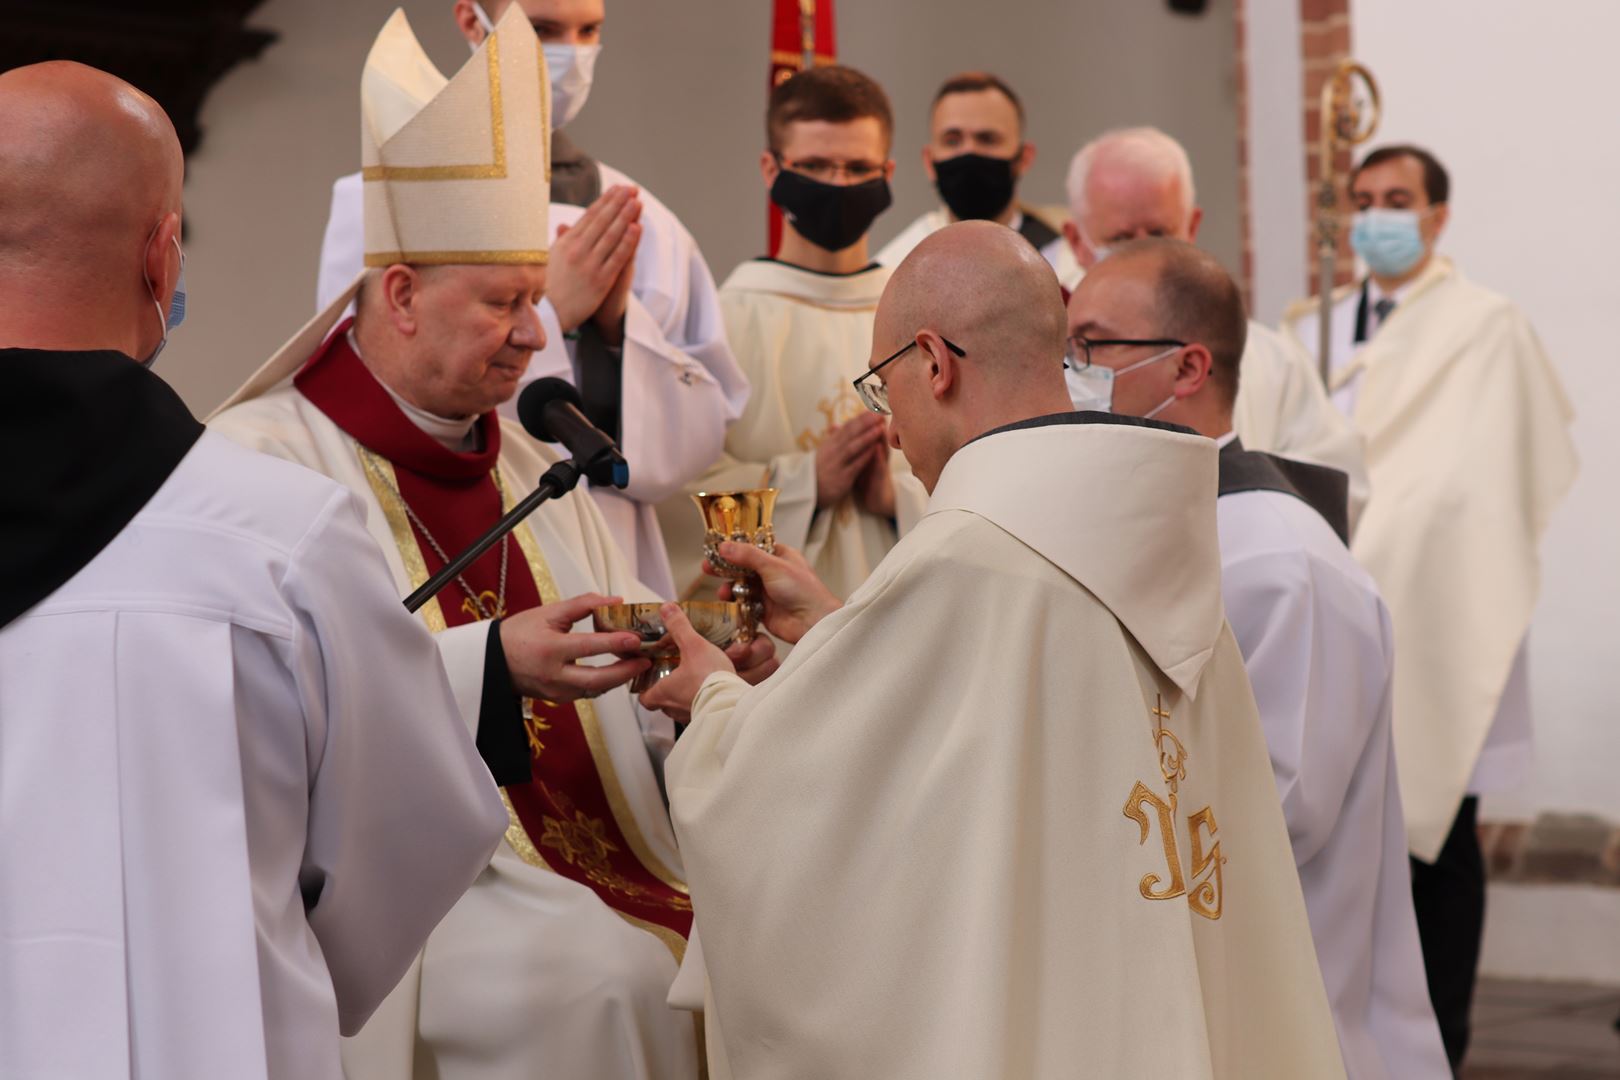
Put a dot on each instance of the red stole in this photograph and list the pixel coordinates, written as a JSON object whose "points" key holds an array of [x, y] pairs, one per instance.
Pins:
{"points": [[571, 818]]}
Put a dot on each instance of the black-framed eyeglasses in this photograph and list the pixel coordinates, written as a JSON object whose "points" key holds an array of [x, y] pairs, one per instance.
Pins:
{"points": [[1078, 353], [826, 172], [875, 395]]}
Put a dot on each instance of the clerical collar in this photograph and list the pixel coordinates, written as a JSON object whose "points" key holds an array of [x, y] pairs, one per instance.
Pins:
{"points": [[457, 435], [1223, 441], [1086, 416], [101, 434], [337, 383]]}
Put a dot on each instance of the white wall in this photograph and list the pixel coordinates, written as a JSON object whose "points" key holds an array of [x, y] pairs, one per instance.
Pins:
{"points": [[1277, 197], [679, 104], [1518, 100]]}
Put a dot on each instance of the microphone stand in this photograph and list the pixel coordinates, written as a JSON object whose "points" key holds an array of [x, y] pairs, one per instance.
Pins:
{"points": [[558, 480]]}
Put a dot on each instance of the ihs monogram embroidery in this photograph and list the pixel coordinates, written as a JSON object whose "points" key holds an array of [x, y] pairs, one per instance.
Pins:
{"points": [[1205, 897]]}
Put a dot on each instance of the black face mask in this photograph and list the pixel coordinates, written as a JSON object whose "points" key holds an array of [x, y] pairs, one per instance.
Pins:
{"points": [[975, 187], [830, 216]]}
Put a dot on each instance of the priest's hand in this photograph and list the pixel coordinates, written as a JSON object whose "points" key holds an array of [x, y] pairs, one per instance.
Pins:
{"points": [[756, 661], [541, 653], [843, 453], [591, 264], [795, 599], [874, 488], [700, 658]]}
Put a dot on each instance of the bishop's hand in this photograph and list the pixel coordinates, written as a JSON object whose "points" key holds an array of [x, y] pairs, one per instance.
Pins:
{"points": [[795, 599], [592, 263], [700, 658], [541, 653]]}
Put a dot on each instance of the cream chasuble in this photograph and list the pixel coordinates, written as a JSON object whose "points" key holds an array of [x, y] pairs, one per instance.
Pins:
{"points": [[1469, 452], [1010, 812], [801, 338]]}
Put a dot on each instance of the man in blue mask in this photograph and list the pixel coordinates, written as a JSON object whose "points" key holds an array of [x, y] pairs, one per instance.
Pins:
{"points": [[1469, 452], [801, 325]]}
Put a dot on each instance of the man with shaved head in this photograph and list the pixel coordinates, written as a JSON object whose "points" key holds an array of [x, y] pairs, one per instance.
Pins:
{"points": [[214, 712], [1137, 182], [1008, 811], [1157, 330]]}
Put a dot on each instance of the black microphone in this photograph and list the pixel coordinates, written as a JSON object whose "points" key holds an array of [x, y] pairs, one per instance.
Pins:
{"points": [[550, 410]]}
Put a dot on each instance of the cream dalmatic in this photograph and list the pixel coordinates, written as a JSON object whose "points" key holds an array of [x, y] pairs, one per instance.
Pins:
{"points": [[1009, 812], [1469, 452], [802, 338]]}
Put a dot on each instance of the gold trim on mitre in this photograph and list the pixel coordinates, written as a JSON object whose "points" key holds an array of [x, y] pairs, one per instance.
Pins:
{"points": [[424, 204], [455, 171]]}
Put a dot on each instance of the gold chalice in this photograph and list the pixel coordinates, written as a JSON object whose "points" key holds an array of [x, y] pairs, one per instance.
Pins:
{"points": [[720, 621], [745, 518]]}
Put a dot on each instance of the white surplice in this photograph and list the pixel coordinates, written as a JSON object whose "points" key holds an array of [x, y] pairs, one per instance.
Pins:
{"points": [[234, 789], [1469, 452], [926, 846], [802, 337], [530, 974], [1317, 643], [680, 384]]}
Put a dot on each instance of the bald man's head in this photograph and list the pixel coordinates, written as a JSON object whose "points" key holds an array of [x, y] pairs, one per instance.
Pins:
{"points": [[90, 178], [983, 288]]}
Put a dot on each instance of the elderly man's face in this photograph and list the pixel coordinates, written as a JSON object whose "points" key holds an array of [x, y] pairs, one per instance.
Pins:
{"points": [[476, 329], [1123, 204], [1117, 301]]}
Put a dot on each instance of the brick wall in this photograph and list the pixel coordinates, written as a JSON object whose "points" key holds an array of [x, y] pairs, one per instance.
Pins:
{"points": [[1324, 42]]}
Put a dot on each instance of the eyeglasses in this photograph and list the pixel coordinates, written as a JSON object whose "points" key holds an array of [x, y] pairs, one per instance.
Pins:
{"points": [[1078, 353], [824, 171], [874, 394]]}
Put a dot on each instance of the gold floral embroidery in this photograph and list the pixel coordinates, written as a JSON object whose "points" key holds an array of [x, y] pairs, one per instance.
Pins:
{"points": [[582, 841]]}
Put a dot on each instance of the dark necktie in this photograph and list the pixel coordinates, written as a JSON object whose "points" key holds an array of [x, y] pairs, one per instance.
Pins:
{"points": [[1382, 308]]}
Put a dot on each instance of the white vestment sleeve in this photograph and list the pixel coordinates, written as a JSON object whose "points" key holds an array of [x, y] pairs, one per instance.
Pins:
{"points": [[344, 244], [403, 814], [462, 649], [1298, 684]]}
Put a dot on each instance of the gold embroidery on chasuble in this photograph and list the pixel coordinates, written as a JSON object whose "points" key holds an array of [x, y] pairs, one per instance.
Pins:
{"points": [[582, 842], [1206, 895]]}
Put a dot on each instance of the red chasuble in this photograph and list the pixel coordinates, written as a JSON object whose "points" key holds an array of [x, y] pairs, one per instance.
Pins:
{"points": [[564, 820]]}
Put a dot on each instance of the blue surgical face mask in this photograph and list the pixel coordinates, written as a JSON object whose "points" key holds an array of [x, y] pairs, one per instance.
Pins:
{"points": [[1092, 387], [1390, 242], [177, 306]]}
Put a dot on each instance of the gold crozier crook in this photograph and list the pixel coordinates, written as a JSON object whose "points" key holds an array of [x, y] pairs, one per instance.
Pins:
{"points": [[1348, 120]]}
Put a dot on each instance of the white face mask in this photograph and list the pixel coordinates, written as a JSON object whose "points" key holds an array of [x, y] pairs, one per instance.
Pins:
{"points": [[1092, 387], [569, 68], [176, 314]]}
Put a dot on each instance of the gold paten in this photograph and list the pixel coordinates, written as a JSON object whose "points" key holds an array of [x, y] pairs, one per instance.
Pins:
{"points": [[719, 621]]}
